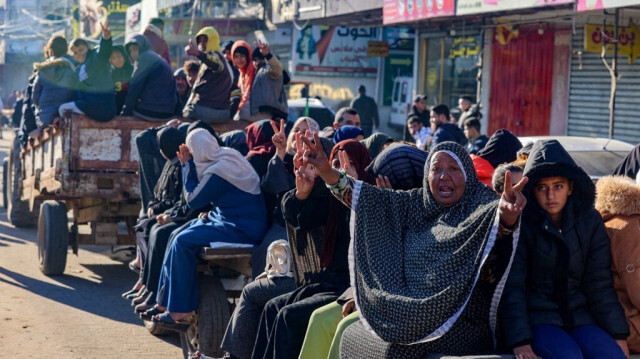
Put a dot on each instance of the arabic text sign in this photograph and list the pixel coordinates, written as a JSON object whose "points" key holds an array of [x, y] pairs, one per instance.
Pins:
{"points": [[466, 7], [586, 5], [378, 48], [394, 11], [628, 40], [334, 51]]}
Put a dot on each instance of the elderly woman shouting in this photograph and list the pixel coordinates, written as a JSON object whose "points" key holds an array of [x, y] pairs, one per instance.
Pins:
{"points": [[428, 265]]}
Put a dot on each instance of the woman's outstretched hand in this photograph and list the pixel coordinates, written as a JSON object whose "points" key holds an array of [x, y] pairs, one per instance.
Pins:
{"points": [[310, 154], [512, 201]]}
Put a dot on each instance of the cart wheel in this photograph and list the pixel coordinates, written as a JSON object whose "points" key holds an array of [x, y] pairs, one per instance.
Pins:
{"points": [[53, 237], [206, 333], [5, 168], [18, 211], [154, 328]]}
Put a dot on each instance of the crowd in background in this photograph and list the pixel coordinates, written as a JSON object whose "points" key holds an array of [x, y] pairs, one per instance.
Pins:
{"points": [[443, 241]]}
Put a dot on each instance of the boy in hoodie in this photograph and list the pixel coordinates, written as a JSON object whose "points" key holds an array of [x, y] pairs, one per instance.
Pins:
{"points": [[209, 100], [55, 83], [96, 97], [152, 93]]}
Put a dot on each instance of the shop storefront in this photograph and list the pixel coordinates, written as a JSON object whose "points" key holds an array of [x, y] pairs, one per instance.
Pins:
{"points": [[590, 83]]}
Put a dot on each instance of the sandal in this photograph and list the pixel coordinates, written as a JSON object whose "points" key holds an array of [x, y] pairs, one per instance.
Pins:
{"points": [[166, 321], [149, 314], [141, 308], [141, 298], [126, 295]]}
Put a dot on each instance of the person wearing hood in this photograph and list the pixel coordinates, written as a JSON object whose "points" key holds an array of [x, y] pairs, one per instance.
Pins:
{"points": [[154, 32], [376, 143], [268, 97], [348, 133], [241, 55], [618, 201], [443, 129], [559, 300], [182, 86], [96, 97], [501, 148], [209, 100], [55, 83], [223, 178], [152, 93], [236, 94], [121, 70], [427, 265]]}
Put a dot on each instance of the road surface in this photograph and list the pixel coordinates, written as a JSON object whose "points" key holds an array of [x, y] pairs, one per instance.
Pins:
{"points": [[77, 315]]}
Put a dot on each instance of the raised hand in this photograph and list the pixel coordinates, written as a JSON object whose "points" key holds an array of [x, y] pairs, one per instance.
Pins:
{"points": [[512, 201], [191, 49], [345, 164], [184, 154], [305, 179], [313, 155], [279, 139], [106, 32], [383, 182], [264, 47]]}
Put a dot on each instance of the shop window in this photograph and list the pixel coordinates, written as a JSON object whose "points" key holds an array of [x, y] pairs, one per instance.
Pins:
{"points": [[451, 69]]}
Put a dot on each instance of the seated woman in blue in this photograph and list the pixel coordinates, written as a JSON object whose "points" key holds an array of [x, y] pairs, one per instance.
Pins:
{"points": [[222, 177]]}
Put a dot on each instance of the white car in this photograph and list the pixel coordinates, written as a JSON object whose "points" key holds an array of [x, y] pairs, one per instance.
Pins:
{"points": [[597, 156], [318, 111]]}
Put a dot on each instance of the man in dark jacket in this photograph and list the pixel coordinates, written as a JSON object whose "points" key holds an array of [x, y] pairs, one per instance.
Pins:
{"points": [[418, 110], [209, 100], [559, 300], [155, 34], [443, 129], [368, 111], [477, 140], [152, 93]]}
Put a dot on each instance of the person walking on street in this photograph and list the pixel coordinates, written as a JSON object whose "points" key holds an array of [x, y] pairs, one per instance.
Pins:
{"points": [[368, 111]]}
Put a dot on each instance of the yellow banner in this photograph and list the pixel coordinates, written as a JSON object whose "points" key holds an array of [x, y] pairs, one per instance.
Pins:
{"points": [[628, 40]]}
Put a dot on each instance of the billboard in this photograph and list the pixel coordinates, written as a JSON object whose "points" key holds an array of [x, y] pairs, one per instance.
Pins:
{"points": [[586, 5], [89, 14], [466, 7], [334, 51], [395, 11]]}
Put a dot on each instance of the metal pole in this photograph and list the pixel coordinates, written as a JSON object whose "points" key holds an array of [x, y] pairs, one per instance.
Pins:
{"points": [[614, 75]]}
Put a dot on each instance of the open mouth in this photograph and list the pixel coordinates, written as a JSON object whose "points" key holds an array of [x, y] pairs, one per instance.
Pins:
{"points": [[445, 191]]}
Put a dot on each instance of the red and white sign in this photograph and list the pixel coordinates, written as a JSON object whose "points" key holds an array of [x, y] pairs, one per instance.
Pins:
{"points": [[395, 11], [587, 5]]}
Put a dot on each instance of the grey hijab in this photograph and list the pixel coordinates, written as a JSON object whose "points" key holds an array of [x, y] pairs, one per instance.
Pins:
{"points": [[415, 263]]}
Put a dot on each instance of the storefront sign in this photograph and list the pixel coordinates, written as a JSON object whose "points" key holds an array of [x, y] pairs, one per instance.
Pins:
{"points": [[395, 11], [89, 14], [628, 40], [334, 51], [468, 46], [587, 5], [466, 7], [378, 48]]}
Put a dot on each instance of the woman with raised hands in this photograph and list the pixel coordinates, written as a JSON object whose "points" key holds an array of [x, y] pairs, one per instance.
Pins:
{"points": [[428, 264]]}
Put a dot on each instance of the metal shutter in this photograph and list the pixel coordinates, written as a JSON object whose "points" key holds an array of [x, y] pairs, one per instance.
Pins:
{"points": [[589, 91]]}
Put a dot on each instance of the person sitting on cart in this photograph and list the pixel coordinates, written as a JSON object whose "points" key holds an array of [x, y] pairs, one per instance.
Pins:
{"points": [[96, 94], [55, 83], [209, 100], [224, 178]]}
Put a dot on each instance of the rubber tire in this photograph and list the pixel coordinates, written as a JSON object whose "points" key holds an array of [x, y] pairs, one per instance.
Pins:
{"points": [[154, 328], [53, 237], [5, 169], [211, 320], [18, 211]]}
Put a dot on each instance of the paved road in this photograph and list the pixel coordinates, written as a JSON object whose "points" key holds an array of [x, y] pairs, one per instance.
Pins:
{"points": [[77, 315]]}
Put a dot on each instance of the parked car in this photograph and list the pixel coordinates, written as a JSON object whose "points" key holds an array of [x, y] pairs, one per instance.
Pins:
{"points": [[317, 111], [597, 156]]}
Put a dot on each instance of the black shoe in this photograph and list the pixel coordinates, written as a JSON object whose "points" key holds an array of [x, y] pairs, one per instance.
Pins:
{"points": [[148, 315]]}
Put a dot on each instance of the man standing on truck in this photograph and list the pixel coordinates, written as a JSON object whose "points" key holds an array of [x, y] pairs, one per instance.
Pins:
{"points": [[152, 93], [368, 111]]}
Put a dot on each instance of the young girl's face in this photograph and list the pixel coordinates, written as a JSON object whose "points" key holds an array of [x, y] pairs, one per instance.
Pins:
{"points": [[117, 60], [551, 193]]}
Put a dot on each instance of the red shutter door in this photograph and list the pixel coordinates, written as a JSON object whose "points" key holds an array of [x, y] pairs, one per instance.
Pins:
{"points": [[520, 99]]}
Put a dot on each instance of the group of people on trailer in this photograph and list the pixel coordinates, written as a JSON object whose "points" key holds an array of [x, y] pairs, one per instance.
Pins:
{"points": [[446, 243]]}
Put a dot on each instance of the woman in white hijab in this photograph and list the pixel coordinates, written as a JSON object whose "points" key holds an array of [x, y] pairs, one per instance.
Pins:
{"points": [[222, 177]]}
